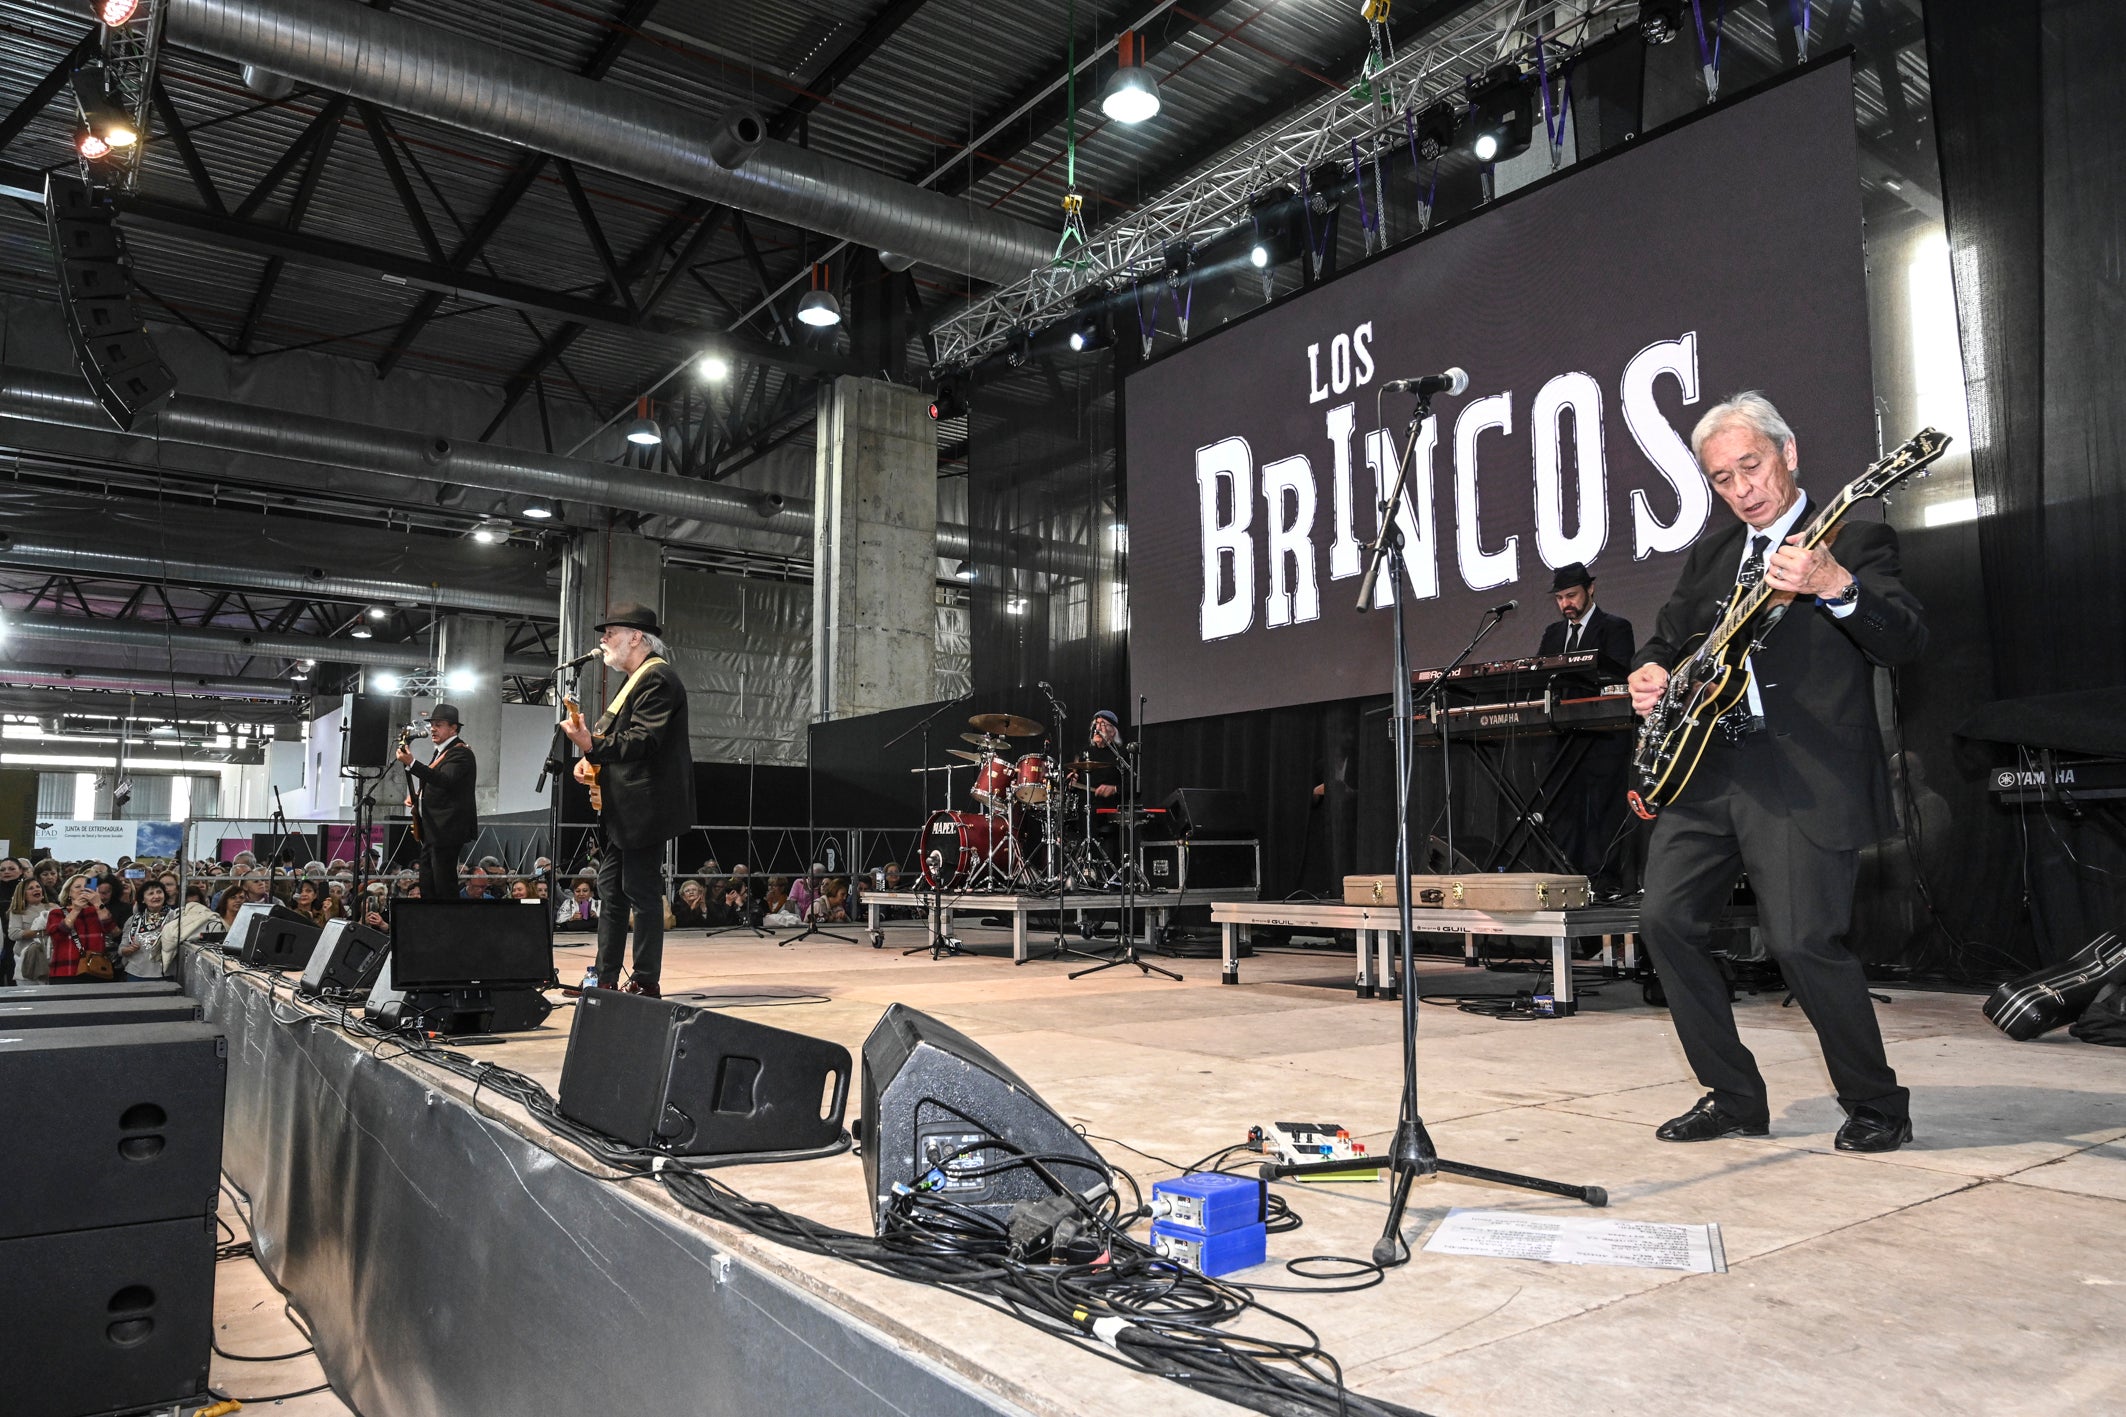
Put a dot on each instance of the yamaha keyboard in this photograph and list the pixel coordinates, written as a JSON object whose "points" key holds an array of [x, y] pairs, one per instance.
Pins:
{"points": [[1529, 717], [1585, 665], [2063, 780]]}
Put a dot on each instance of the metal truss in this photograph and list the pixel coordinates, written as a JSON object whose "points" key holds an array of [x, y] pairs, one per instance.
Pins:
{"points": [[129, 54], [1373, 113]]}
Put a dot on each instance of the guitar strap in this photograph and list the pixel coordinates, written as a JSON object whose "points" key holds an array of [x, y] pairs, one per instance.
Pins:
{"points": [[629, 687]]}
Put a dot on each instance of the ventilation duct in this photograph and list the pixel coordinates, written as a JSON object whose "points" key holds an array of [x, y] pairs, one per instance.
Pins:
{"points": [[471, 83], [161, 636]]}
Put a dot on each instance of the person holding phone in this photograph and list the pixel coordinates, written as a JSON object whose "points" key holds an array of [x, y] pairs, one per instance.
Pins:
{"points": [[78, 929]]}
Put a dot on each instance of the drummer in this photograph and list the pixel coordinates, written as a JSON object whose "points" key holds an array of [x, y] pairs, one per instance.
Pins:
{"points": [[1107, 735]]}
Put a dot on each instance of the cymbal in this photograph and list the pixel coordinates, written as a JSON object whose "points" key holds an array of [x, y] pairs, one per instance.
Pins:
{"points": [[963, 753], [984, 740], [1088, 765], [1008, 724]]}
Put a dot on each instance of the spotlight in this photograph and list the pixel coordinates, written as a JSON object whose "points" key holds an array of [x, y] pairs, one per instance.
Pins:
{"points": [[1502, 115], [1259, 256], [950, 401], [108, 125], [539, 511], [1178, 258], [964, 571], [1133, 94], [378, 612], [90, 146], [819, 309], [459, 681], [361, 632], [1091, 327], [714, 368], [1660, 20], [114, 13], [386, 682], [1272, 219], [1438, 128], [1018, 347]]}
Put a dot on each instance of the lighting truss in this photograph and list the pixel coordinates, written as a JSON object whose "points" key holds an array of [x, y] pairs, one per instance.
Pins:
{"points": [[1371, 114], [129, 54]]}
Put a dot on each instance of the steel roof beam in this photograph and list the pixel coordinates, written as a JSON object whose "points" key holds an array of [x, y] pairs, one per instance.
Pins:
{"points": [[156, 635]]}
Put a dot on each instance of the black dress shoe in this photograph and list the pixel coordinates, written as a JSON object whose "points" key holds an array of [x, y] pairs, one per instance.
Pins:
{"points": [[1709, 1121], [1870, 1130]]}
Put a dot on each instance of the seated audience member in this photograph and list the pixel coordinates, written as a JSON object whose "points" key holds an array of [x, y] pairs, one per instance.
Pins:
{"points": [[834, 901], [231, 900], [78, 930], [29, 913], [776, 903], [376, 906], [476, 883], [520, 890], [579, 911], [140, 942], [10, 877], [308, 902], [691, 910], [805, 891]]}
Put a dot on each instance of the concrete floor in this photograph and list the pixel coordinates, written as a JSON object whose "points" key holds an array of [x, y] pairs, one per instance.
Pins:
{"points": [[1980, 1269]]}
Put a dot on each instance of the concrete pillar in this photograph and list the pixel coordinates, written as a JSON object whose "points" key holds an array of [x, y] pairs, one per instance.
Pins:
{"points": [[874, 550], [472, 647], [600, 570]]}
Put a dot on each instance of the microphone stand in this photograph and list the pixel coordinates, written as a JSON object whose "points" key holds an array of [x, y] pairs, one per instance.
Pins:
{"points": [[1132, 791], [940, 944], [560, 759], [1412, 1154]]}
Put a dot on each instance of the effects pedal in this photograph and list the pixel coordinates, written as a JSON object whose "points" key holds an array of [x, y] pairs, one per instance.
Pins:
{"points": [[1211, 1254], [1312, 1143]]}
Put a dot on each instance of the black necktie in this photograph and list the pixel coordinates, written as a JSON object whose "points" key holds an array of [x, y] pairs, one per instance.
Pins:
{"points": [[1736, 723], [1572, 637]]}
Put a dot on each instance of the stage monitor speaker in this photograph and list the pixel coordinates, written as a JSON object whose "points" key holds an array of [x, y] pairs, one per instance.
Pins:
{"points": [[1200, 864], [1220, 812], [371, 739], [61, 1009], [111, 1125], [347, 959], [271, 935], [455, 1011], [664, 1074], [456, 944], [928, 1091], [113, 989], [112, 1320], [293, 849]]}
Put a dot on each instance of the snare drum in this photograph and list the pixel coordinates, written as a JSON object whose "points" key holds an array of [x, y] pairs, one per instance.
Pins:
{"points": [[992, 782], [1029, 780], [957, 844]]}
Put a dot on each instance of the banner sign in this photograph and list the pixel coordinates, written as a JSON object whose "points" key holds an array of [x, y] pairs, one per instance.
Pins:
{"points": [[107, 841], [1598, 316]]}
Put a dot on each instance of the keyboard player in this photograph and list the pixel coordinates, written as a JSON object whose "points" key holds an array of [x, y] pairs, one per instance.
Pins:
{"points": [[1589, 809]]}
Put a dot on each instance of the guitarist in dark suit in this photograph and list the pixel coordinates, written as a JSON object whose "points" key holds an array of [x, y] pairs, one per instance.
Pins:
{"points": [[1792, 786], [1589, 806], [445, 809], [645, 771]]}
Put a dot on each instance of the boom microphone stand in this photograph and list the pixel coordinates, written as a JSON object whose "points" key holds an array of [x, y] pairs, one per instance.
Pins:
{"points": [[1412, 1154], [1132, 795]]}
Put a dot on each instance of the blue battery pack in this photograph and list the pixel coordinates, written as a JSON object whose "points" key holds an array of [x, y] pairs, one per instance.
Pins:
{"points": [[1210, 1202], [1213, 1255]]}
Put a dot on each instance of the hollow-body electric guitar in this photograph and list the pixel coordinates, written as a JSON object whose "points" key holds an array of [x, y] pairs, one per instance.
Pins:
{"points": [[1715, 675], [590, 774]]}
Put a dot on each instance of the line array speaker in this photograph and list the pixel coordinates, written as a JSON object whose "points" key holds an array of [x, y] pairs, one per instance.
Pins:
{"points": [[111, 344], [60, 1009], [659, 1073]]}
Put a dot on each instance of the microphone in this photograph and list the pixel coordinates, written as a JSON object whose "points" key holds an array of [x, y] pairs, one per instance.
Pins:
{"points": [[1044, 686], [1507, 609], [584, 658], [1453, 381]]}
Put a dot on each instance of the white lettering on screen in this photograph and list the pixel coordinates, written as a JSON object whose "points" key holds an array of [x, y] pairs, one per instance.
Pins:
{"points": [[1343, 536], [1420, 536], [1580, 396], [1481, 569], [1664, 447], [1228, 550], [1294, 597]]}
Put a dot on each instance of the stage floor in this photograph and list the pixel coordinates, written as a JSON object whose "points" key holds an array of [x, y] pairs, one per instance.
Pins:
{"points": [[1978, 1269]]}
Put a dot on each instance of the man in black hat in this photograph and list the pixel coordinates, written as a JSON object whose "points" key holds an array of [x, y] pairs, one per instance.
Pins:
{"points": [[444, 807], [1589, 807], [645, 773]]}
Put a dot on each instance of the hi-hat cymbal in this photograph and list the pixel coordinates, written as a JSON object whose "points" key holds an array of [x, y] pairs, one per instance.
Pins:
{"points": [[1088, 765], [963, 753], [1008, 724], [984, 740]]}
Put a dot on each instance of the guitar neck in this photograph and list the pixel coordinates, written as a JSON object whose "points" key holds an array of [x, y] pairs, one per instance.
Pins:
{"points": [[1759, 595]]}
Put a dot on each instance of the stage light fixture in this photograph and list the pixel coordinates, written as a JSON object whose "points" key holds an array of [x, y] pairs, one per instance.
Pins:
{"points": [[819, 309], [1660, 20], [714, 368], [107, 125], [1501, 115], [1178, 258], [386, 682], [459, 681], [1438, 129], [1018, 347], [950, 400], [1272, 220], [1089, 329], [114, 13], [1133, 94]]}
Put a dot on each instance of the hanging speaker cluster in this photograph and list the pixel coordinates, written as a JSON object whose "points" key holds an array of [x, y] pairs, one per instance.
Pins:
{"points": [[111, 343]]}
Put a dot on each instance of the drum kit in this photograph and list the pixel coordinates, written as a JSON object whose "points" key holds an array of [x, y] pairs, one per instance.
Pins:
{"points": [[1032, 827]]}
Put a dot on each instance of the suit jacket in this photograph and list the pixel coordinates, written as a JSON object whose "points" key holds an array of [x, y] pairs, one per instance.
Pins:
{"points": [[1815, 675], [447, 781], [645, 764], [1607, 633]]}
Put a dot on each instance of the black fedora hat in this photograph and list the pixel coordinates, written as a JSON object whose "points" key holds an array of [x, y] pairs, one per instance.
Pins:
{"points": [[629, 615], [1572, 573]]}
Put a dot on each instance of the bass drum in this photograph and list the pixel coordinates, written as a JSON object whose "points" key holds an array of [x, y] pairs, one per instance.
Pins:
{"points": [[955, 845]]}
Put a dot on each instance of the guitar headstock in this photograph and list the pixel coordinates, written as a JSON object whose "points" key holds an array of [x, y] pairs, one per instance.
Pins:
{"points": [[1908, 457]]}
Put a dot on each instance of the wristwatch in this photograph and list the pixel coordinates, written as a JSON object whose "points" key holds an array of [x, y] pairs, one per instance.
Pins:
{"points": [[1847, 596]]}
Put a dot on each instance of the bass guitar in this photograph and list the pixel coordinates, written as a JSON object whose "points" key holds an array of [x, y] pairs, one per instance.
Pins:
{"points": [[1715, 675], [590, 771]]}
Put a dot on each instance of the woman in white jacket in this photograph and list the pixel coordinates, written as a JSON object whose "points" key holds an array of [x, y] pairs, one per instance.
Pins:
{"points": [[27, 915]]}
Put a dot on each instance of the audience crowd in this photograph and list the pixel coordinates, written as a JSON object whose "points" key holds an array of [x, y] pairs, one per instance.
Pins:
{"points": [[74, 922]]}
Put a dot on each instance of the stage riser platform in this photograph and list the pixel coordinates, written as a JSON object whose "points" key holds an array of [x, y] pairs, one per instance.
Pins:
{"points": [[449, 1266]]}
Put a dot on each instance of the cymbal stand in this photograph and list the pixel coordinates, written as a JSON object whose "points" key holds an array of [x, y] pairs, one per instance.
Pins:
{"points": [[1412, 1153]]}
